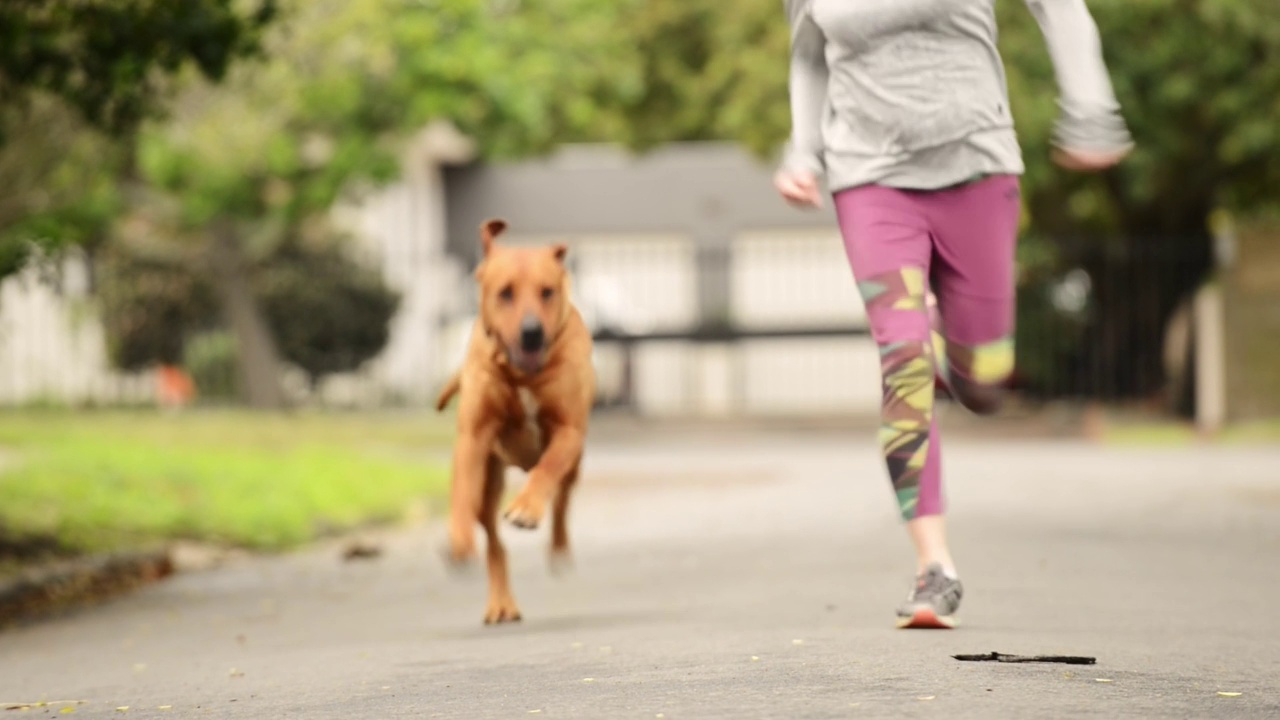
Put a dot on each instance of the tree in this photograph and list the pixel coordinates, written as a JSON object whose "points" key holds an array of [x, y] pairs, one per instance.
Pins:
{"points": [[1202, 97], [75, 77], [107, 59], [57, 182], [1201, 93], [327, 313], [151, 304], [260, 157]]}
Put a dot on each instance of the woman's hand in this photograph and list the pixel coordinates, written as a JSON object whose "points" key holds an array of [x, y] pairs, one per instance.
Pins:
{"points": [[1088, 160], [798, 187]]}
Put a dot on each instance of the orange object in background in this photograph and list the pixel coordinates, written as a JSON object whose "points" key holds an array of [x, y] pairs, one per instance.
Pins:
{"points": [[175, 387]]}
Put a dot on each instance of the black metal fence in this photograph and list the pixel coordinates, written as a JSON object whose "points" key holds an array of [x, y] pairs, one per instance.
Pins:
{"points": [[1098, 319]]}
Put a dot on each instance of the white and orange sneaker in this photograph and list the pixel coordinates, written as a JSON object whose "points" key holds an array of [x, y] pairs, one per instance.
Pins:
{"points": [[932, 602]]}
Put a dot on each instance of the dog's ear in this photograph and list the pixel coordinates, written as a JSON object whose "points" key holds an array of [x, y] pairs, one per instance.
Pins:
{"points": [[489, 231], [559, 251]]}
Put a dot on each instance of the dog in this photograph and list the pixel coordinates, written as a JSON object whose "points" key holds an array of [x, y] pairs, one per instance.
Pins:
{"points": [[525, 393]]}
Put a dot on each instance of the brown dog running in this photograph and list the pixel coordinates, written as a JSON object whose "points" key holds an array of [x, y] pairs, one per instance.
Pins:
{"points": [[526, 391]]}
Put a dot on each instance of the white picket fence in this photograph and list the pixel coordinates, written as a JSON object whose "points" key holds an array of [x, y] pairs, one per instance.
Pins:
{"points": [[52, 346]]}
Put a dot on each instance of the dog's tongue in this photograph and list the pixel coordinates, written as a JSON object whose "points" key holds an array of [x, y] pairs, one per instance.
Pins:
{"points": [[528, 361]]}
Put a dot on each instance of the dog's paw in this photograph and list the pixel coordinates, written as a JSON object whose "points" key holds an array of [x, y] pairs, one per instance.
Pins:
{"points": [[501, 610], [560, 562], [458, 556], [525, 511]]}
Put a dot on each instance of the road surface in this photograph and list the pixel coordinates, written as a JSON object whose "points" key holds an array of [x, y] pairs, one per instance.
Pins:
{"points": [[743, 574]]}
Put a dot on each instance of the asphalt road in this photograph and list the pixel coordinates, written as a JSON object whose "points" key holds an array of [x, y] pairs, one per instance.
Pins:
{"points": [[743, 574]]}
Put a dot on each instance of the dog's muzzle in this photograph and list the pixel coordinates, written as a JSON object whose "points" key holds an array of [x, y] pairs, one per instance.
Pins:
{"points": [[529, 356], [532, 336]]}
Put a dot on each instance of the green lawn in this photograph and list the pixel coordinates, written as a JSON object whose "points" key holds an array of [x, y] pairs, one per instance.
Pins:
{"points": [[103, 480]]}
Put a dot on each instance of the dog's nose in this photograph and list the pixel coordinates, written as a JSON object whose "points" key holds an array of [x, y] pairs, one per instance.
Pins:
{"points": [[531, 334]]}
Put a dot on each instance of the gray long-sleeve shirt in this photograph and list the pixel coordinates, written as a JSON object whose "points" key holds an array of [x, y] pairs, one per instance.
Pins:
{"points": [[912, 93]]}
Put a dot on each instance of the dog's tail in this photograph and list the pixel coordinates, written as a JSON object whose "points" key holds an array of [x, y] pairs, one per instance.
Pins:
{"points": [[450, 389]]}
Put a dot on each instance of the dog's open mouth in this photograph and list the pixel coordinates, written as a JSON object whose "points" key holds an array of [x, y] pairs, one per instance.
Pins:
{"points": [[526, 361]]}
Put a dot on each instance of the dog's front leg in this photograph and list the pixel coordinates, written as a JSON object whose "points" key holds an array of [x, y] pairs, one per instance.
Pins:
{"points": [[470, 454], [562, 455]]}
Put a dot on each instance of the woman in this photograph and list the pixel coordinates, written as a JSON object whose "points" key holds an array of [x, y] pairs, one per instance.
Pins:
{"points": [[902, 105]]}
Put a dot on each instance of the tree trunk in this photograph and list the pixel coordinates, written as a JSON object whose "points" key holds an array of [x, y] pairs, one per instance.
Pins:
{"points": [[257, 358]]}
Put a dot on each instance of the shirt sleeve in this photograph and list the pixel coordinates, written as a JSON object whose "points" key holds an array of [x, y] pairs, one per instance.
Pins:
{"points": [[808, 89], [1089, 115]]}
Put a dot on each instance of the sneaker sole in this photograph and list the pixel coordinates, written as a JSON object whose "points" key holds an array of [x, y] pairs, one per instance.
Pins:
{"points": [[927, 619]]}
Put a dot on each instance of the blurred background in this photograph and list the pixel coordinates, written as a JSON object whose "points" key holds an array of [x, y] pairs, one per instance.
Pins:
{"points": [[215, 209]]}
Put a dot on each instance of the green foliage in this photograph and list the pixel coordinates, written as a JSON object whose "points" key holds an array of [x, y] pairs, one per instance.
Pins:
{"points": [[346, 82], [707, 70], [210, 359], [1201, 95], [150, 302], [75, 75], [327, 314], [56, 185], [106, 58]]}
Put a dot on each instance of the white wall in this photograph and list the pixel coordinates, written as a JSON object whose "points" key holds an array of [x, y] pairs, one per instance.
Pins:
{"points": [[778, 278], [52, 346]]}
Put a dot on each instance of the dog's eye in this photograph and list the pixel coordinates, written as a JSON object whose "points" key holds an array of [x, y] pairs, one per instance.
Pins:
{"points": [[507, 294], [547, 293]]}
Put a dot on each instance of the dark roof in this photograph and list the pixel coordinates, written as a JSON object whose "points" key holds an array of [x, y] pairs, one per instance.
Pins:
{"points": [[705, 190]]}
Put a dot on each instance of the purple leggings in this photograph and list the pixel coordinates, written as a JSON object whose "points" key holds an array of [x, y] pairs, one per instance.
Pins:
{"points": [[960, 242]]}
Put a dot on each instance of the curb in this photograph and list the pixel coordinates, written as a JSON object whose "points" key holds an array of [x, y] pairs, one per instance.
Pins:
{"points": [[65, 585]]}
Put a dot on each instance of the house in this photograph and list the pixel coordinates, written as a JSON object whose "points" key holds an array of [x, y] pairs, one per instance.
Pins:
{"points": [[684, 238]]}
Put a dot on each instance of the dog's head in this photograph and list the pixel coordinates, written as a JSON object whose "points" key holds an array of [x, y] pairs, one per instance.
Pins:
{"points": [[523, 297]]}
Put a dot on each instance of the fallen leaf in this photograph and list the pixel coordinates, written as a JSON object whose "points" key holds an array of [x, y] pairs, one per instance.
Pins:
{"points": [[1228, 694], [235, 673], [927, 697], [67, 710], [386, 687], [797, 642], [165, 707], [1102, 680], [123, 708], [755, 658], [361, 551], [534, 712], [588, 679]]}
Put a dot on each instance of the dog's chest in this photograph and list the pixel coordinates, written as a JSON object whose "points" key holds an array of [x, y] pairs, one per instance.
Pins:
{"points": [[530, 407]]}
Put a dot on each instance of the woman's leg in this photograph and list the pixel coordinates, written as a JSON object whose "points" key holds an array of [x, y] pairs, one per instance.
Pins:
{"points": [[890, 248], [975, 232], [963, 240]]}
